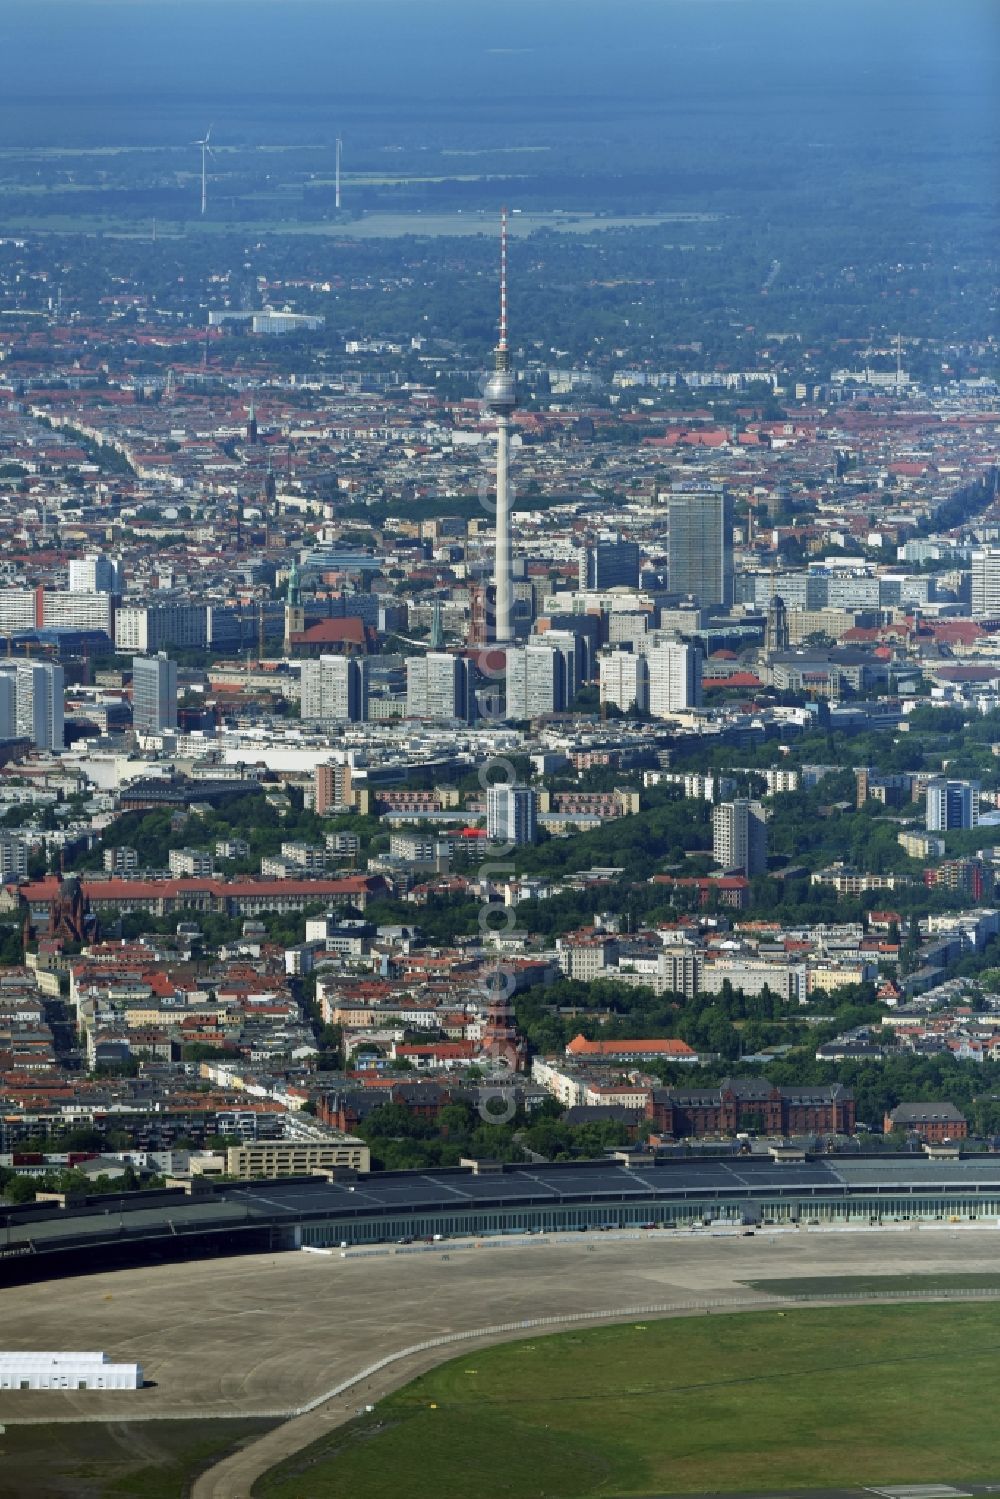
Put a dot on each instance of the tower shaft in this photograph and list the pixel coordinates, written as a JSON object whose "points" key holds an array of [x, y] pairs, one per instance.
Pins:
{"points": [[501, 400], [503, 566]]}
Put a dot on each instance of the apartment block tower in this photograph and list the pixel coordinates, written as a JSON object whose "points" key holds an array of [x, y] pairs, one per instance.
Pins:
{"points": [[154, 694], [739, 836], [700, 546]]}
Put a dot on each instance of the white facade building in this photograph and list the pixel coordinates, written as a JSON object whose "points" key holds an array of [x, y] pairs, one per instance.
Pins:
{"points": [[511, 814], [952, 804], [95, 573], [778, 780], [92, 610], [190, 863], [536, 682], [624, 681], [335, 687], [66, 1371], [144, 629], [437, 686], [674, 678], [122, 862], [38, 702], [985, 582], [739, 836]]}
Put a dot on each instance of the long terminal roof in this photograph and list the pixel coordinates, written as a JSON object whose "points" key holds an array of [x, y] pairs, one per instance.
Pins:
{"points": [[730, 1180]]}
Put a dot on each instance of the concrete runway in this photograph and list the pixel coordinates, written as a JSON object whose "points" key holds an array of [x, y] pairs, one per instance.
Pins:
{"points": [[269, 1333]]}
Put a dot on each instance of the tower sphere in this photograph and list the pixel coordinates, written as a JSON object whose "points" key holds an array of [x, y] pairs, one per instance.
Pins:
{"points": [[501, 391]]}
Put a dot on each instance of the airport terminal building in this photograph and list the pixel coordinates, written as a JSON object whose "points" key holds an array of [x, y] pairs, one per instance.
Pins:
{"points": [[41, 1240]]}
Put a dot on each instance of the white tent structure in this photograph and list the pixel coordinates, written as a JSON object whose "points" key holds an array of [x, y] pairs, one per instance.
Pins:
{"points": [[66, 1371]]}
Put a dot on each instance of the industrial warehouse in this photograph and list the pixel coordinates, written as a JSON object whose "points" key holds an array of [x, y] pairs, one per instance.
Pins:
{"points": [[483, 1199]]}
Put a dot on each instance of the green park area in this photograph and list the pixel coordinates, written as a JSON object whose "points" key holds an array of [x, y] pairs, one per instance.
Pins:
{"points": [[811, 1287], [96, 1459], [805, 1399]]}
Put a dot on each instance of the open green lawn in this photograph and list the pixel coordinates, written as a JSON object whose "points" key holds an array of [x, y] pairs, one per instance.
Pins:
{"points": [[96, 1460], [855, 1285], [375, 225], [733, 1403]]}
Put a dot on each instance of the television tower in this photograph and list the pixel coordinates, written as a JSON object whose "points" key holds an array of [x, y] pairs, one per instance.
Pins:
{"points": [[501, 399], [340, 150]]}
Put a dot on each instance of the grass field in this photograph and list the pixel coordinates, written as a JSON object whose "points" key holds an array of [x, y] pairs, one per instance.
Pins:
{"points": [[734, 1403], [147, 1459], [375, 225], [862, 1285]]}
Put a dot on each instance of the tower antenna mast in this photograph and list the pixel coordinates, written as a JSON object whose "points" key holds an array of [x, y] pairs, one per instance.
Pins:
{"points": [[501, 399], [502, 345], [340, 148]]}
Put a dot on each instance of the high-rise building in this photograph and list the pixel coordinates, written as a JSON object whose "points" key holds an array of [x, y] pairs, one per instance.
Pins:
{"points": [[19, 610], [333, 788], [154, 694], [586, 628], [334, 688], [523, 601], [511, 814], [501, 399], [739, 836], [952, 804], [536, 682], [674, 678], [610, 564], [436, 639], [573, 649], [79, 611], [625, 681], [38, 703], [95, 573], [970, 876], [13, 859], [123, 861], [440, 685], [985, 582], [144, 629], [8, 705], [700, 545]]}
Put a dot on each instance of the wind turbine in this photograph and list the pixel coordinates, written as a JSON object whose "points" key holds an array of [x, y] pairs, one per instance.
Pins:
{"points": [[206, 151]]}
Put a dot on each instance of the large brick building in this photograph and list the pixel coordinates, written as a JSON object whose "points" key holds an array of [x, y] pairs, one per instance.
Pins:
{"points": [[933, 1122], [740, 1105], [43, 900], [350, 1108]]}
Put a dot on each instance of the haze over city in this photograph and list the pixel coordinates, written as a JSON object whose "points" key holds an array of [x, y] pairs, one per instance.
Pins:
{"points": [[499, 748]]}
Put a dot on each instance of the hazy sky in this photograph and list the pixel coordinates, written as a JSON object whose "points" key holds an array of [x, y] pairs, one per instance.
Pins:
{"points": [[523, 47]]}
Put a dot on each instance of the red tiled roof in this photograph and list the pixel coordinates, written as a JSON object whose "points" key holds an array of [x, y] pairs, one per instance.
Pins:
{"points": [[668, 1047], [348, 631], [735, 679], [104, 890], [442, 1050]]}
